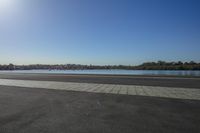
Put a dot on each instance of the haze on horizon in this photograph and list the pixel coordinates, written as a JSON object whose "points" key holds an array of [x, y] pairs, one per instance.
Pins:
{"points": [[127, 32]]}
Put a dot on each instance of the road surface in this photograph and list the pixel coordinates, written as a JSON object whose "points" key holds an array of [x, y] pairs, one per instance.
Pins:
{"points": [[184, 82], [36, 103]]}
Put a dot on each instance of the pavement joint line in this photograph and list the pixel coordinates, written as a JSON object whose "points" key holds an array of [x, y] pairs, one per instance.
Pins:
{"points": [[167, 92], [136, 92], [127, 90], [96, 88], [145, 91], [103, 90], [111, 90], [123, 90], [88, 89], [115, 90], [119, 90], [107, 89]]}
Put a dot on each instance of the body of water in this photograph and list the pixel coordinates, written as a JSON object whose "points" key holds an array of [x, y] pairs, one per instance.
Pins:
{"points": [[112, 72]]}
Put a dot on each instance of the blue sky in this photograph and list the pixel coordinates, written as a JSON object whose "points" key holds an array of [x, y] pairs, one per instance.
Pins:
{"points": [[99, 31]]}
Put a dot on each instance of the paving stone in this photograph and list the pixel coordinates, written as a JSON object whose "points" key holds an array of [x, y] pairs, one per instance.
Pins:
{"points": [[168, 92]]}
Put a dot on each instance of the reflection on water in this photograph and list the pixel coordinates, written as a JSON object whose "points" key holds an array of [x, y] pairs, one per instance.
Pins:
{"points": [[114, 72]]}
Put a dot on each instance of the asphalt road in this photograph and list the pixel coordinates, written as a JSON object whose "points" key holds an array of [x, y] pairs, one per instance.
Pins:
{"points": [[184, 82], [31, 110]]}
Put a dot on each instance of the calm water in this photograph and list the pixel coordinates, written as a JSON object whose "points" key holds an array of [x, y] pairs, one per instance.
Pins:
{"points": [[115, 72]]}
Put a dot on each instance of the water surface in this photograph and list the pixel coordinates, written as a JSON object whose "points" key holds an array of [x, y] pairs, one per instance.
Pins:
{"points": [[113, 72]]}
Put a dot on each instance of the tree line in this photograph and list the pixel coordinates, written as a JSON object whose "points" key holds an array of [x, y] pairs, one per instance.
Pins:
{"points": [[162, 65], [159, 65]]}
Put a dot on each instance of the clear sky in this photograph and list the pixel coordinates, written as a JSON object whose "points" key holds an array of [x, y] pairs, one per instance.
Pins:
{"points": [[100, 32]]}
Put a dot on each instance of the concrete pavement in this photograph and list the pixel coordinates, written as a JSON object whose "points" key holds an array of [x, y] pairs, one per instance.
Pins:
{"points": [[152, 91], [56, 105], [146, 80], [38, 110]]}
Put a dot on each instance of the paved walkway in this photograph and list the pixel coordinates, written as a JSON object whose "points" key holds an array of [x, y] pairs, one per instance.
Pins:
{"points": [[167, 92]]}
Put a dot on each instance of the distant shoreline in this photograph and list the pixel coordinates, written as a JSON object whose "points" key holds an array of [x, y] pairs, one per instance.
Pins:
{"points": [[160, 65]]}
